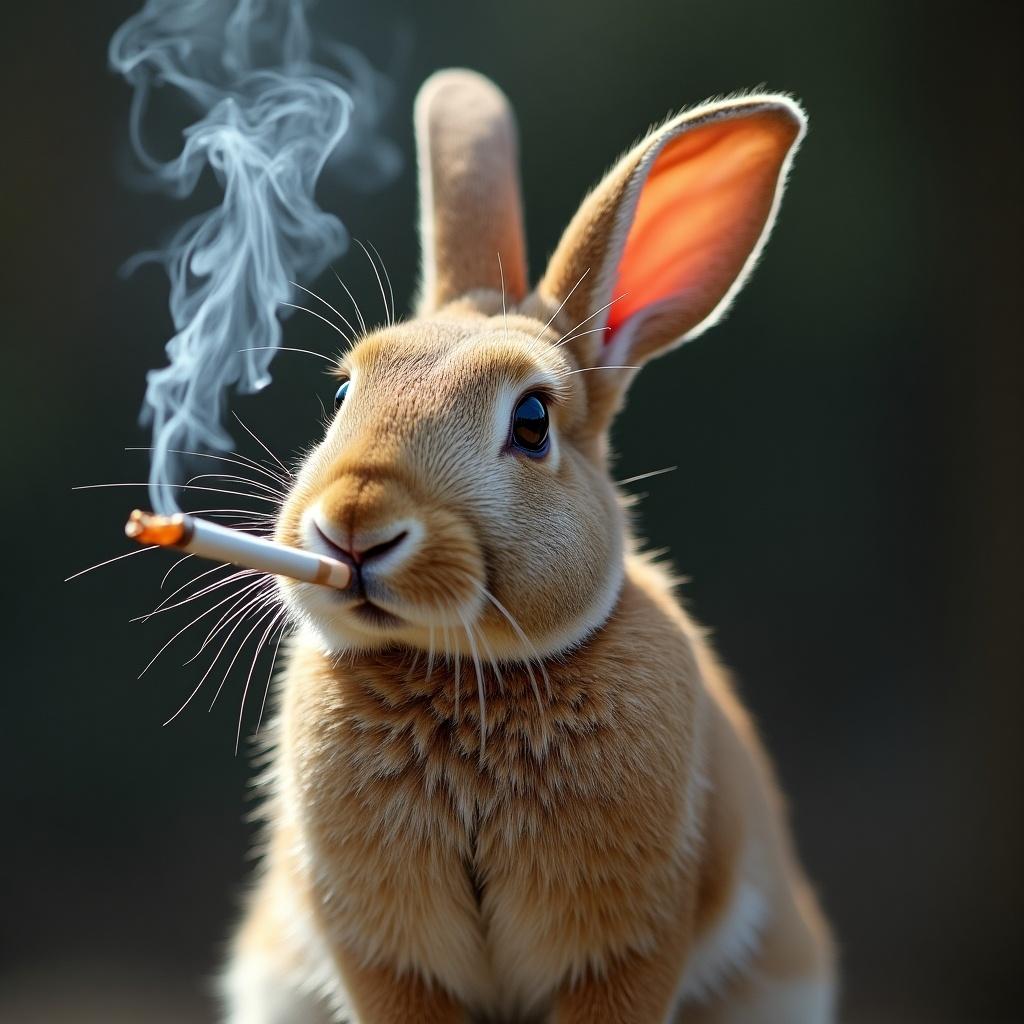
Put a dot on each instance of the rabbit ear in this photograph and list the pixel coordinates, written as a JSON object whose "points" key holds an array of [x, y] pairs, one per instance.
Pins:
{"points": [[670, 235], [470, 207]]}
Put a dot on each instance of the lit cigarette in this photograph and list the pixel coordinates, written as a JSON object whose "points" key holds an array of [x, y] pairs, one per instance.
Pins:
{"points": [[221, 544]]}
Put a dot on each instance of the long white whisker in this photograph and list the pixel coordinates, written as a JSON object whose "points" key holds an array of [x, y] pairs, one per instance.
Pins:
{"points": [[184, 586], [163, 608], [572, 335], [261, 611], [352, 299], [116, 558], [234, 477], [239, 460], [645, 476], [312, 312], [176, 487], [522, 636], [602, 366], [336, 312], [562, 304], [504, 311], [257, 596], [275, 621], [184, 558], [387, 277], [260, 619], [597, 312], [189, 625], [209, 669], [479, 685], [252, 434], [237, 513], [270, 676], [376, 274], [287, 348]]}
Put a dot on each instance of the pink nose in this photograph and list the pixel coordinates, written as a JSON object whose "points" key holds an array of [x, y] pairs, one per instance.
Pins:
{"points": [[362, 546]]}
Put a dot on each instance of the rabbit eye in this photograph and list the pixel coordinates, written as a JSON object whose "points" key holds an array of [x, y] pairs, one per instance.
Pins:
{"points": [[339, 395], [530, 425]]}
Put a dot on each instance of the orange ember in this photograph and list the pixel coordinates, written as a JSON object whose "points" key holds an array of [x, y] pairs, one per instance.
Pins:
{"points": [[146, 528]]}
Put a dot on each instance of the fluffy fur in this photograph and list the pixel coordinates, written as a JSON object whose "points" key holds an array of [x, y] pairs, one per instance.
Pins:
{"points": [[509, 781]]}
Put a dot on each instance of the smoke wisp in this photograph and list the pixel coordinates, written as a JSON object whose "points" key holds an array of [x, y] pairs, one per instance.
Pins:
{"points": [[269, 121]]}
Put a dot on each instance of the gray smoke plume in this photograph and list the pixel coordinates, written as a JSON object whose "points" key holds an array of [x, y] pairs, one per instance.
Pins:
{"points": [[268, 122]]}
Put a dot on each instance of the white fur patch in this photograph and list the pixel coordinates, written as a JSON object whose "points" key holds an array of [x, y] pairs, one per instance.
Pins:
{"points": [[728, 948], [255, 993]]}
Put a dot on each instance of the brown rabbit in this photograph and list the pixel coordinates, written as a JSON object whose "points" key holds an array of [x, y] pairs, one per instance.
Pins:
{"points": [[509, 780]]}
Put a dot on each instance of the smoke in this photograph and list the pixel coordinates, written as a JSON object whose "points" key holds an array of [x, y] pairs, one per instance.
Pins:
{"points": [[269, 121]]}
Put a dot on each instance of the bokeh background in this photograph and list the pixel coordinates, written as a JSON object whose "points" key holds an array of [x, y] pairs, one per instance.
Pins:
{"points": [[848, 506]]}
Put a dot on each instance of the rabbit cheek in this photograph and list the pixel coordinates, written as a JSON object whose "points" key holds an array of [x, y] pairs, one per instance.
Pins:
{"points": [[556, 565]]}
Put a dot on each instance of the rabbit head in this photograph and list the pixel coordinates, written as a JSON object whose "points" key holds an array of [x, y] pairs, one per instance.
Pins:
{"points": [[464, 474]]}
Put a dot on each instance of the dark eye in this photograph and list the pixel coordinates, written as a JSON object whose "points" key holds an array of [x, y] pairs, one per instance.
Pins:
{"points": [[339, 395], [530, 425]]}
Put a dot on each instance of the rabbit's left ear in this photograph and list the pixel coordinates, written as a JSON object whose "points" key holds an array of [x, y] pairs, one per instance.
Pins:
{"points": [[471, 217], [658, 250]]}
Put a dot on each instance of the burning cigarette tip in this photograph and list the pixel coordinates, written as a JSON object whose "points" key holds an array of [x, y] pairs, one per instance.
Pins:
{"points": [[147, 528]]}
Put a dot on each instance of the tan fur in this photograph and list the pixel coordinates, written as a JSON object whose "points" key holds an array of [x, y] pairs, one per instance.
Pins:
{"points": [[529, 792]]}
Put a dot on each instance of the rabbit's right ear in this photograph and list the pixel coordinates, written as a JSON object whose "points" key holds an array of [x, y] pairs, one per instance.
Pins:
{"points": [[658, 250], [471, 218]]}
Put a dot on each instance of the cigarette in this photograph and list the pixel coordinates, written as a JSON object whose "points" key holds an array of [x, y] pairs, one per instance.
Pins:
{"points": [[221, 544]]}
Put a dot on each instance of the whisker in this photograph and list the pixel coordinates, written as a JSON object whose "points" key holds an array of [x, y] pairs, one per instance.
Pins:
{"points": [[237, 513], [161, 609], [571, 336], [270, 676], [352, 299], [252, 434], [602, 366], [387, 277], [645, 476], [312, 312], [184, 558], [256, 596], [562, 304], [341, 316], [275, 621], [260, 619], [376, 274], [523, 637], [184, 586], [504, 311], [479, 685], [265, 488], [189, 625], [287, 348], [177, 487], [597, 312], [240, 460], [116, 558], [199, 685]]}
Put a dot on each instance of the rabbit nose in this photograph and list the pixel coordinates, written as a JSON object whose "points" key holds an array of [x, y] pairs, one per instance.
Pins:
{"points": [[362, 546]]}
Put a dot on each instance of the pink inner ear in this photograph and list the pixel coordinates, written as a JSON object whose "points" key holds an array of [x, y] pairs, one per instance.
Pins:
{"points": [[701, 211]]}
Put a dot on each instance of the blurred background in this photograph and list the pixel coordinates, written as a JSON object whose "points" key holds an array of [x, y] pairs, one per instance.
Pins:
{"points": [[848, 506]]}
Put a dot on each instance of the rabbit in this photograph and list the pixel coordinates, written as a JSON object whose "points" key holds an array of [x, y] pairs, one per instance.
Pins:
{"points": [[508, 780]]}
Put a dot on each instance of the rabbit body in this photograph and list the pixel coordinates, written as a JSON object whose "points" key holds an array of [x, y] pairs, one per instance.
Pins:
{"points": [[510, 782]]}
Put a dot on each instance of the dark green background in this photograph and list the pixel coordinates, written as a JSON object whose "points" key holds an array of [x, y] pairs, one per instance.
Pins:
{"points": [[848, 504]]}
